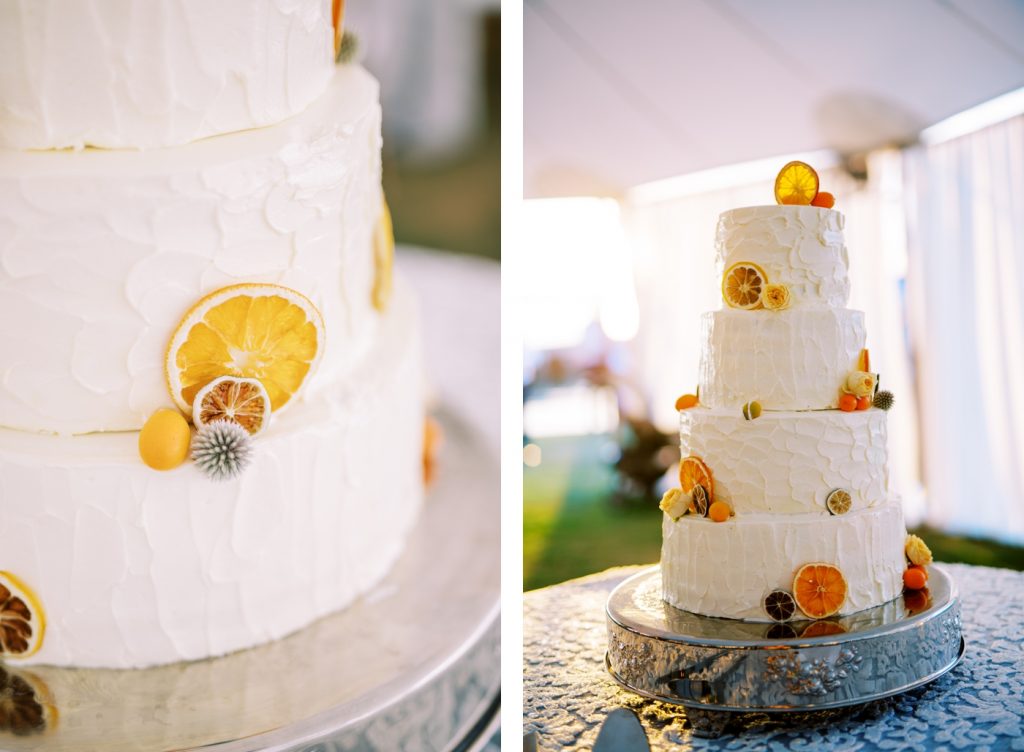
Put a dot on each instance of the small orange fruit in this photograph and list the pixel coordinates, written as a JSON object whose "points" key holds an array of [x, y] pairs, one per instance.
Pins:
{"points": [[914, 578], [719, 511], [863, 403], [847, 403], [916, 601], [824, 199], [164, 439], [819, 589], [686, 401], [796, 183], [742, 285], [693, 472]]}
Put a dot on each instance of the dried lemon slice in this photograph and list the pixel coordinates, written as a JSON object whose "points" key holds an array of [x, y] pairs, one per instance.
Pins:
{"points": [[839, 501], [742, 285], [796, 183], [22, 621], [779, 605], [819, 590], [256, 331], [27, 706], [245, 401]]}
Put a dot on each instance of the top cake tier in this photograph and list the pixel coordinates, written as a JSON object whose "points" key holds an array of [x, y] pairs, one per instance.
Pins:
{"points": [[146, 73], [801, 247]]}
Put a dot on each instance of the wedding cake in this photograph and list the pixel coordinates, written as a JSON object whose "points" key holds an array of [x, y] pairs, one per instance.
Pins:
{"points": [[784, 508], [211, 411]]}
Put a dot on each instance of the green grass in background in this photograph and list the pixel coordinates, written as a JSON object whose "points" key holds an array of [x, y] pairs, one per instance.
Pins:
{"points": [[571, 527]]}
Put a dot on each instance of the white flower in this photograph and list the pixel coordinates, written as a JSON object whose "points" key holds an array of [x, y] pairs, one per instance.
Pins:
{"points": [[675, 503], [860, 383]]}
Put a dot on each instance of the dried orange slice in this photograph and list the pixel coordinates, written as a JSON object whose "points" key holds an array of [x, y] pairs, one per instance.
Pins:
{"points": [[693, 472], [255, 331], [796, 183], [22, 621], [338, 21], [819, 590], [823, 629], [433, 438], [742, 285], [245, 401], [383, 258]]}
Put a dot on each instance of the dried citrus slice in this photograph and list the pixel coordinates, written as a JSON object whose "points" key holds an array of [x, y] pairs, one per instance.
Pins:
{"points": [[27, 706], [338, 21], [742, 285], [779, 631], [383, 258], [259, 331], [22, 621], [779, 605], [819, 589], [244, 401], [796, 183], [693, 472], [839, 501], [699, 503], [823, 629]]}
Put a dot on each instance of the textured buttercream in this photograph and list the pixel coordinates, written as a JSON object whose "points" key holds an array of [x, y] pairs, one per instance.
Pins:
{"points": [[801, 247], [101, 253], [135, 567], [726, 568], [786, 360], [788, 462], [146, 73]]}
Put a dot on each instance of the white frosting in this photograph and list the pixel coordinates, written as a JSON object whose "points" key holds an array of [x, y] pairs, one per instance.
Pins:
{"points": [[145, 73], [786, 360], [726, 568], [788, 462], [799, 246], [101, 253], [134, 567]]}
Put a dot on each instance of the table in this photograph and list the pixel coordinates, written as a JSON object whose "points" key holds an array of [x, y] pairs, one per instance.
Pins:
{"points": [[978, 705]]}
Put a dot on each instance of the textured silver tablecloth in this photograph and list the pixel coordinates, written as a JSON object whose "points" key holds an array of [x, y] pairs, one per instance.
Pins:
{"points": [[979, 705]]}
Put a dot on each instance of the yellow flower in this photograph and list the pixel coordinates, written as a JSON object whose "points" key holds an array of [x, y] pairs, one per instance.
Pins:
{"points": [[917, 551], [860, 383], [675, 503], [775, 297]]}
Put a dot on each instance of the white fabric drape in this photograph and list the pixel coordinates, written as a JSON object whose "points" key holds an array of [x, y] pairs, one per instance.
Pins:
{"points": [[966, 276], [672, 239]]}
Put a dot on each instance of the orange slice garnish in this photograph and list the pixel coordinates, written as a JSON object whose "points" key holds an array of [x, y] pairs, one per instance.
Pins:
{"points": [[693, 472], [796, 183], [823, 629], [22, 621], [742, 285], [338, 21], [245, 401], [819, 590], [252, 331]]}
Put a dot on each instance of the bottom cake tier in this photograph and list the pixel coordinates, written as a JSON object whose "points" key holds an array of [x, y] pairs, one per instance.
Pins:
{"points": [[726, 569], [134, 567]]}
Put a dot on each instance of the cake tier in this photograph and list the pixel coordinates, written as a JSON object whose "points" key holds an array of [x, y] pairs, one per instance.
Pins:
{"points": [[134, 567], [799, 246], [786, 360], [102, 253], [144, 73], [789, 462], [726, 568]]}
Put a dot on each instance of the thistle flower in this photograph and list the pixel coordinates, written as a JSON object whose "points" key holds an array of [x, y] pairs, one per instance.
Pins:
{"points": [[349, 48], [222, 449]]}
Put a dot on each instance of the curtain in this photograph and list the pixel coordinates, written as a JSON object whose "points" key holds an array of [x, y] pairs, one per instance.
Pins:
{"points": [[672, 241], [965, 226]]}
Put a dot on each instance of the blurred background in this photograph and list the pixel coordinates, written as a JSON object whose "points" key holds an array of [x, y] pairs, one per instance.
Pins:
{"points": [[644, 121], [438, 64]]}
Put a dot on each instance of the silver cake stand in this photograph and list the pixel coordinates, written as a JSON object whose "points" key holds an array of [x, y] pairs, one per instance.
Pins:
{"points": [[414, 665], [715, 667]]}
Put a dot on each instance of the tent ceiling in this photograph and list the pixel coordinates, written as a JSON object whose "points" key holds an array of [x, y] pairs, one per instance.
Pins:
{"points": [[619, 93]]}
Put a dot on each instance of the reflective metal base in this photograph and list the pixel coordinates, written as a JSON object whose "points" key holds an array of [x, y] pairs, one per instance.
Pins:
{"points": [[413, 665], [711, 664]]}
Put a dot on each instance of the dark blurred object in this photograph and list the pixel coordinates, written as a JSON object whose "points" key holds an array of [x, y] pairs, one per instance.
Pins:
{"points": [[454, 202], [647, 454]]}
